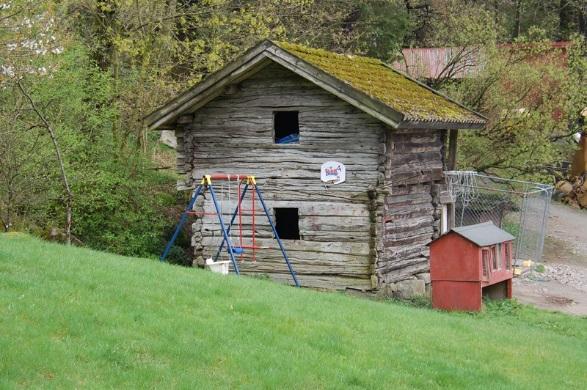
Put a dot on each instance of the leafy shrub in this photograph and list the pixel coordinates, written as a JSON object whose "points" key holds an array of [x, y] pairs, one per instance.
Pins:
{"points": [[123, 213], [120, 204]]}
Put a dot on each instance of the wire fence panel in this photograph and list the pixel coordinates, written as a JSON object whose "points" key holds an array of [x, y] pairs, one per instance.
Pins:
{"points": [[519, 207]]}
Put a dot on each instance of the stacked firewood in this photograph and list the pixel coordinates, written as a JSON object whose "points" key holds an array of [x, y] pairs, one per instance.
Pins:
{"points": [[574, 191]]}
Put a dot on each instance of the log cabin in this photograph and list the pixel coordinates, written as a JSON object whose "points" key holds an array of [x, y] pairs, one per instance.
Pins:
{"points": [[369, 232]]}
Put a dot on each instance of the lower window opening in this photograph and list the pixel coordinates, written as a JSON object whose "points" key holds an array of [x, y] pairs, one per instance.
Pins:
{"points": [[287, 223]]}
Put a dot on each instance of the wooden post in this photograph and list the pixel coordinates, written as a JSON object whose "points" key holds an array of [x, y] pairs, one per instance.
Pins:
{"points": [[451, 162], [451, 165]]}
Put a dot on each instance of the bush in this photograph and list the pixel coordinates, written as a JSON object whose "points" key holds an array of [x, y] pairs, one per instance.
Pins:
{"points": [[120, 204], [123, 213]]}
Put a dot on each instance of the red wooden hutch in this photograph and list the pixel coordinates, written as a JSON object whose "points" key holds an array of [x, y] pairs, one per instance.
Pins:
{"points": [[468, 263]]}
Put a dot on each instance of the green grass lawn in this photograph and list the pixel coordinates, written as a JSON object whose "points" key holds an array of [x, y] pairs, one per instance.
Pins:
{"points": [[72, 317]]}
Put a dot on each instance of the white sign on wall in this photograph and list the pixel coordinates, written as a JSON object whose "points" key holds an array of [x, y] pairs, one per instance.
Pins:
{"points": [[333, 172]]}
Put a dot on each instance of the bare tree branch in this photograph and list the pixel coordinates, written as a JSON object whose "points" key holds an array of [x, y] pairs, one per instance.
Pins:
{"points": [[66, 187]]}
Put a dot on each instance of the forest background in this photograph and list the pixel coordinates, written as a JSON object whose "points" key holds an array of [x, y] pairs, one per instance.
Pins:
{"points": [[77, 77]]}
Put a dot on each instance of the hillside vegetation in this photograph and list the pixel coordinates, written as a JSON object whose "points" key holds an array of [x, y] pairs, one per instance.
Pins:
{"points": [[77, 77], [73, 317]]}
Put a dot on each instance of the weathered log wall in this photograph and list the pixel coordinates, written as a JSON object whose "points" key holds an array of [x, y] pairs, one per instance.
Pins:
{"points": [[412, 210], [338, 224], [364, 233]]}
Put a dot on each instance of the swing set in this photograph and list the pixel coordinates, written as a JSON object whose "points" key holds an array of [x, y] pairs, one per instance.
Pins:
{"points": [[228, 202]]}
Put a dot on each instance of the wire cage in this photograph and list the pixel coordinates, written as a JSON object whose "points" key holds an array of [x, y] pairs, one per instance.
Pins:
{"points": [[519, 207]]}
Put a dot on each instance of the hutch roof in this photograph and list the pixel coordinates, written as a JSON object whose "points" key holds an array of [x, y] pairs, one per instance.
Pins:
{"points": [[484, 234], [367, 83]]}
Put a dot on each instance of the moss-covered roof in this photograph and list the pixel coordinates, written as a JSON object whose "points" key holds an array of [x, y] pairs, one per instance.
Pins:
{"points": [[379, 81], [367, 83]]}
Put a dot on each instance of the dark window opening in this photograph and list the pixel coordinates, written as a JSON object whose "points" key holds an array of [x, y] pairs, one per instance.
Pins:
{"points": [[287, 223], [286, 127]]}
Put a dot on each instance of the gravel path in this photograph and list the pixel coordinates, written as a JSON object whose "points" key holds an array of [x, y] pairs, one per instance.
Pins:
{"points": [[567, 227], [567, 275], [562, 284]]}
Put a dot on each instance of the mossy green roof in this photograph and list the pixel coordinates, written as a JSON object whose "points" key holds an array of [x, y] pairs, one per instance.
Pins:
{"points": [[379, 81]]}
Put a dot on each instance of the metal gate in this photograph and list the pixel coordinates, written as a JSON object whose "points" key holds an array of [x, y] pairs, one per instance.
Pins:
{"points": [[519, 207]]}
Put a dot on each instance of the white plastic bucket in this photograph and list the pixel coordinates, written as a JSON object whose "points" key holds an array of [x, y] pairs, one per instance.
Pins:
{"points": [[219, 267]]}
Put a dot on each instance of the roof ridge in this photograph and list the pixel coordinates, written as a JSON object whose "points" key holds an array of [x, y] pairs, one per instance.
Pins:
{"points": [[330, 52], [483, 234]]}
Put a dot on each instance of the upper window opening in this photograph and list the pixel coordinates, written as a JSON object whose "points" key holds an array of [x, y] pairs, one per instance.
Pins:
{"points": [[287, 223], [286, 127]]}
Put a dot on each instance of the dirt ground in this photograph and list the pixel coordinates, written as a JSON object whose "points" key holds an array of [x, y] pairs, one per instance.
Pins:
{"points": [[562, 284]]}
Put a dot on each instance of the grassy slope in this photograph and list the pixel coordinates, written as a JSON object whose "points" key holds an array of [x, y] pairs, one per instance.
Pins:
{"points": [[75, 317]]}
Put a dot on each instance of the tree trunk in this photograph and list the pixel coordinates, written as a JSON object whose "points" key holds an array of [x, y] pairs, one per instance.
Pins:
{"points": [[583, 20], [564, 21], [517, 19], [68, 194]]}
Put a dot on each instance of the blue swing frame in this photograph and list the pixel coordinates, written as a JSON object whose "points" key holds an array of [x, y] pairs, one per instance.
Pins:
{"points": [[206, 184]]}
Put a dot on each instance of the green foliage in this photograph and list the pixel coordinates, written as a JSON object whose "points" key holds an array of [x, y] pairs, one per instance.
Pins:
{"points": [[155, 48], [119, 204], [533, 103], [418, 301], [129, 214], [107, 64], [381, 27], [69, 315], [510, 311], [98, 67], [531, 92], [502, 308], [459, 23], [512, 227]]}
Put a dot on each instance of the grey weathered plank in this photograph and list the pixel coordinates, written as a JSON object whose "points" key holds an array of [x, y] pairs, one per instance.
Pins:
{"points": [[376, 223]]}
